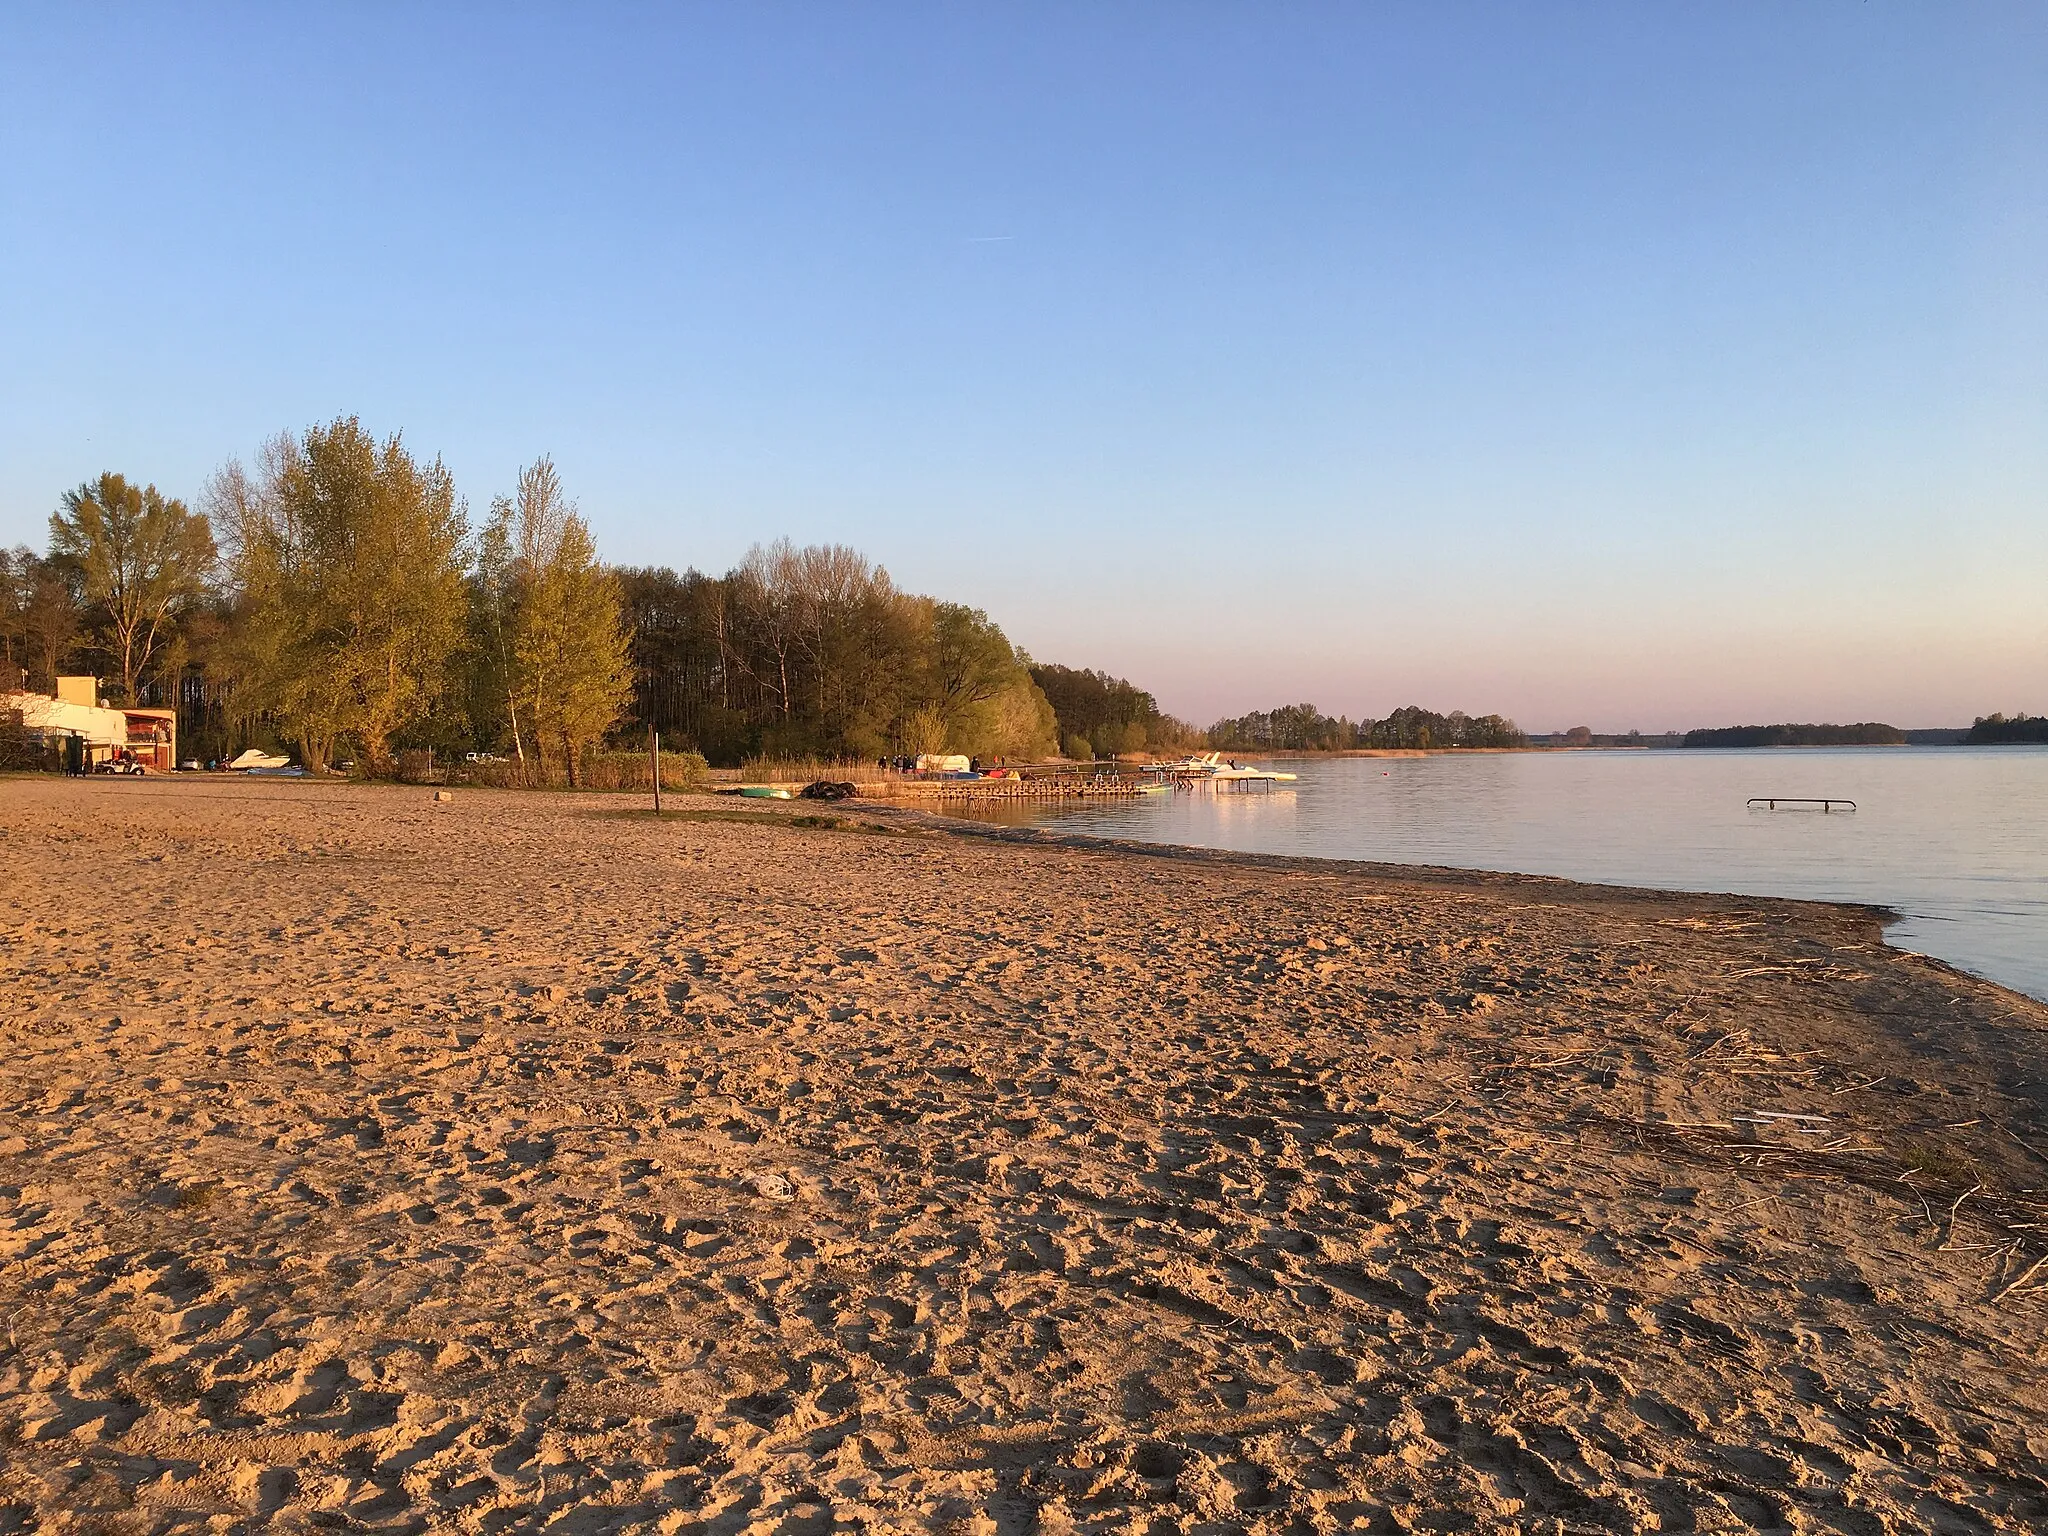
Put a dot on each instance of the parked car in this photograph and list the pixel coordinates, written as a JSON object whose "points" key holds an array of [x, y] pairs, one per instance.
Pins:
{"points": [[190, 765]]}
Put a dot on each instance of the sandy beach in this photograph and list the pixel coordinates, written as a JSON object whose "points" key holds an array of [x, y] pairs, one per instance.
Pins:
{"points": [[522, 1162]]}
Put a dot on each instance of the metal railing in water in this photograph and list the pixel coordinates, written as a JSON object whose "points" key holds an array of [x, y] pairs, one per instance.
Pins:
{"points": [[1772, 802]]}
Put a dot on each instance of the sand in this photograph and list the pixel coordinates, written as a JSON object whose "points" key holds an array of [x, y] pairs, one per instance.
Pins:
{"points": [[516, 1163]]}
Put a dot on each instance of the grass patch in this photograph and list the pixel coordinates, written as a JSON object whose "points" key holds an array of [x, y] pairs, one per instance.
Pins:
{"points": [[1939, 1165]]}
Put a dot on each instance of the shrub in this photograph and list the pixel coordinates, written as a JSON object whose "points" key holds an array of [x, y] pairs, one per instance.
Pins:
{"points": [[416, 766], [17, 749]]}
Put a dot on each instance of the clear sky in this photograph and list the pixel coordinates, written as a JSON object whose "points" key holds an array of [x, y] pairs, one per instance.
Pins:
{"points": [[1626, 365]]}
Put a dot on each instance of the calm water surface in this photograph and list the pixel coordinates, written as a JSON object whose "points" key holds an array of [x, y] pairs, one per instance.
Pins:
{"points": [[1954, 839]]}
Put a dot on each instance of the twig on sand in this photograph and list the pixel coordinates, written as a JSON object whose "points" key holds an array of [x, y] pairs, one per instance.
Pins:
{"points": [[1906, 1179], [1946, 1241]]}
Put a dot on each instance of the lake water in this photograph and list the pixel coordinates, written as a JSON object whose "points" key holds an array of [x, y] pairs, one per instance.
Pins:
{"points": [[1954, 839]]}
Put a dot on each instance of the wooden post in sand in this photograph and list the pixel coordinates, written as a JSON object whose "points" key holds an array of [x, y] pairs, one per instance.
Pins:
{"points": [[654, 752]]}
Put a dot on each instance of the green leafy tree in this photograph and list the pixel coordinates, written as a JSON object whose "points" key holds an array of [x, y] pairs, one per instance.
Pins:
{"points": [[570, 650], [1018, 723], [971, 660], [347, 561], [142, 560]]}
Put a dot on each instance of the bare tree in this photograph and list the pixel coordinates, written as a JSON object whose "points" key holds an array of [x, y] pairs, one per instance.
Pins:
{"points": [[39, 619], [766, 583]]}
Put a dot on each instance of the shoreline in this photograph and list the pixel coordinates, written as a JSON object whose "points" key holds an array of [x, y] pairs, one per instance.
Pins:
{"points": [[905, 805], [527, 1156], [1893, 915]]}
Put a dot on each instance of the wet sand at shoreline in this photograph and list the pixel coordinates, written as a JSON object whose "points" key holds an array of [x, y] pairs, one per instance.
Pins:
{"points": [[524, 1163]]}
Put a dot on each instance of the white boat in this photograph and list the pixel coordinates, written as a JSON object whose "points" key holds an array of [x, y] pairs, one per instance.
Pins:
{"points": [[1197, 764], [1211, 766]]}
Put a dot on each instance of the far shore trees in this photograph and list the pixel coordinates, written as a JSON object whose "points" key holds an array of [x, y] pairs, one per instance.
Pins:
{"points": [[1868, 733], [1304, 728], [347, 560], [141, 560], [1414, 727], [570, 669], [1998, 729]]}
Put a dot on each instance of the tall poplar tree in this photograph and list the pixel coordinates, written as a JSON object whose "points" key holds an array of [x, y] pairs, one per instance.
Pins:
{"points": [[570, 650]]}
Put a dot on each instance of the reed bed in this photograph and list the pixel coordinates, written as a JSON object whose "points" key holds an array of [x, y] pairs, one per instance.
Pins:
{"points": [[805, 770], [681, 772]]}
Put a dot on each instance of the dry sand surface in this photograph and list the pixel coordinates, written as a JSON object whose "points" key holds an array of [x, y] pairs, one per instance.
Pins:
{"points": [[521, 1163]]}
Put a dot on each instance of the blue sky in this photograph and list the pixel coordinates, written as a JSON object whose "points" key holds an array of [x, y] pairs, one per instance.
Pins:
{"points": [[1623, 365]]}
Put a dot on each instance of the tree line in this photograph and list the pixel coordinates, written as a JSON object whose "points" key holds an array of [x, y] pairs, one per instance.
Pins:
{"points": [[1998, 729], [1869, 733], [1103, 716], [815, 652], [1304, 728], [334, 596]]}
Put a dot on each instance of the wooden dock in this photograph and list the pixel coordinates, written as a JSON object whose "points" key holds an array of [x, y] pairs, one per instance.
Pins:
{"points": [[1047, 787]]}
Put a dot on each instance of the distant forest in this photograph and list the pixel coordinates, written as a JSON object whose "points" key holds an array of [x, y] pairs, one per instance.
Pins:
{"points": [[1992, 730], [1304, 728], [1867, 734]]}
